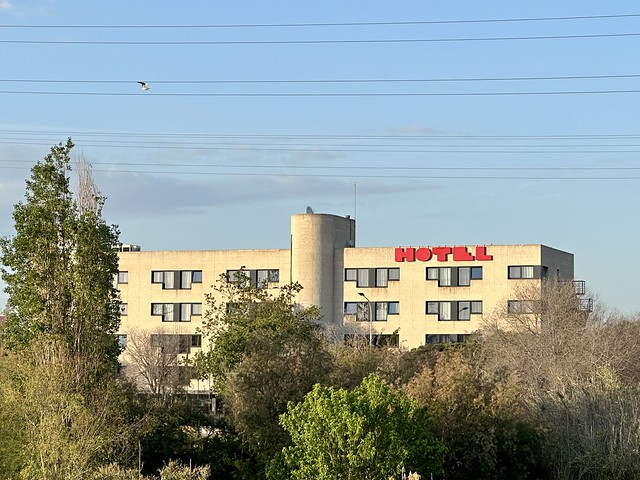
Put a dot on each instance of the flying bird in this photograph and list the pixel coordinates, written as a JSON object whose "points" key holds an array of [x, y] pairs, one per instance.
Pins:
{"points": [[144, 86]]}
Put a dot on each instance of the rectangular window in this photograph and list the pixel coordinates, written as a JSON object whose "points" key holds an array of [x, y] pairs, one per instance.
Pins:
{"points": [[476, 307], [123, 277], [122, 341], [433, 308], [382, 309], [394, 274], [185, 312], [176, 312], [238, 276], [444, 277], [372, 277], [265, 277], [464, 310], [196, 341], [254, 278], [464, 276], [476, 273], [351, 274], [445, 338], [176, 279], [444, 312], [167, 279], [124, 309], [432, 273], [168, 312], [157, 277], [185, 279], [382, 277], [454, 310], [363, 277], [358, 309], [394, 308], [523, 271], [521, 306], [454, 276]]}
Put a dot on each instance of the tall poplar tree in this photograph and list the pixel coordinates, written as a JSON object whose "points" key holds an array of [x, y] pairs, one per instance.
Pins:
{"points": [[59, 267]]}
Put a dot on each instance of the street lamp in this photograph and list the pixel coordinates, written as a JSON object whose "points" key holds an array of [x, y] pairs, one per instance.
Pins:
{"points": [[370, 318]]}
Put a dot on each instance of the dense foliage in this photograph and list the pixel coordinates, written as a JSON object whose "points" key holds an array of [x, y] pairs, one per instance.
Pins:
{"points": [[369, 432], [551, 394]]}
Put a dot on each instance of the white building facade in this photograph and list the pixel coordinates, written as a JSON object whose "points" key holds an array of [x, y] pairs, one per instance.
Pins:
{"points": [[405, 295]]}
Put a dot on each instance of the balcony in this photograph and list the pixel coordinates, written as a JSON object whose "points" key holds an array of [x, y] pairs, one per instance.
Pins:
{"points": [[585, 305], [580, 287]]}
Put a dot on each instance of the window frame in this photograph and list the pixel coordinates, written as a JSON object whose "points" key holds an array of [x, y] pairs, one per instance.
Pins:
{"points": [[516, 272], [372, 277], [454, 278], [453, 310]]}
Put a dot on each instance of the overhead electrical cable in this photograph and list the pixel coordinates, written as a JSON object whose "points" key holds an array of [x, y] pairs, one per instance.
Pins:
{"points": [[319, 41], [328, 94], [356, 80], [328, 24]]}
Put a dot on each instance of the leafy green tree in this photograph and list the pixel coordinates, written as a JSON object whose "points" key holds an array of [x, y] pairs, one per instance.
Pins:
{"points": [[63, 310], [265, 350], [370, 432], [271, 374], [55, 430], [59, 267], [238, 313]]}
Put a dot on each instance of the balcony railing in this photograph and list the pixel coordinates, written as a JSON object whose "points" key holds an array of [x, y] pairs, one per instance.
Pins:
{"points": [[580, 287], [585, 304]]}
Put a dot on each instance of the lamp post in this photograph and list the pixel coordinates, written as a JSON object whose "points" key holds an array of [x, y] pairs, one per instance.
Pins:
{"points": [[370, 318]]}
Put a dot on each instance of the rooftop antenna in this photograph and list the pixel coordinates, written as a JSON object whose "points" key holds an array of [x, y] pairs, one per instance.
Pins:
{"points": [[355, 200]]}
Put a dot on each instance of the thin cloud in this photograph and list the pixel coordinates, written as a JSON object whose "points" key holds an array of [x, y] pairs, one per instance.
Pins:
{"points": [[133, 195], [6, 5]]}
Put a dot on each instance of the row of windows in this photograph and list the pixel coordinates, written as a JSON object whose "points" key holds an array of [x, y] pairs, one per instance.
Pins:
{"points": [[450, 310], [176, 279], [454, 276], [379, 310], [372, 277], [364, 277], [445, 338], [455, 310], [378, 340], [254, 278], [176, 312], [446, 276], [181, 343]]}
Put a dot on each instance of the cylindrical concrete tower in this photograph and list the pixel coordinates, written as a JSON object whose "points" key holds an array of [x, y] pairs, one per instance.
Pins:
{"points": [[317, 259]]}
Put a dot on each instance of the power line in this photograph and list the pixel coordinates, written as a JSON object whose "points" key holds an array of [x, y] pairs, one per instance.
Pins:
{"points": [[344, 176], [347, 167], [183, 135], [321, 81], [327, 24], [316, 42], [327, 94]]}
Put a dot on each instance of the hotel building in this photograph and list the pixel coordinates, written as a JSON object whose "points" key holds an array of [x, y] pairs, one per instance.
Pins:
{"points": [[405, 296]]}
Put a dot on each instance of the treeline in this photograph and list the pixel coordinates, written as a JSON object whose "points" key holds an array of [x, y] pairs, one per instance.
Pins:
{"points": [[548, 393]]}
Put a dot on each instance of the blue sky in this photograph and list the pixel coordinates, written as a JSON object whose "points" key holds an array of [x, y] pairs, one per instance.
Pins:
{"points": [[471, 138]]}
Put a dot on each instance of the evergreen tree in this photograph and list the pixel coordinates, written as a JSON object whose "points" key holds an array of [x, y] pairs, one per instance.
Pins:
{"points": [[59, 267]]}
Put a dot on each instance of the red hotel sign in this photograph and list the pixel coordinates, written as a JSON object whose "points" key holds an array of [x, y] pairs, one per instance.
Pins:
{"points": [[424, 254]]}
